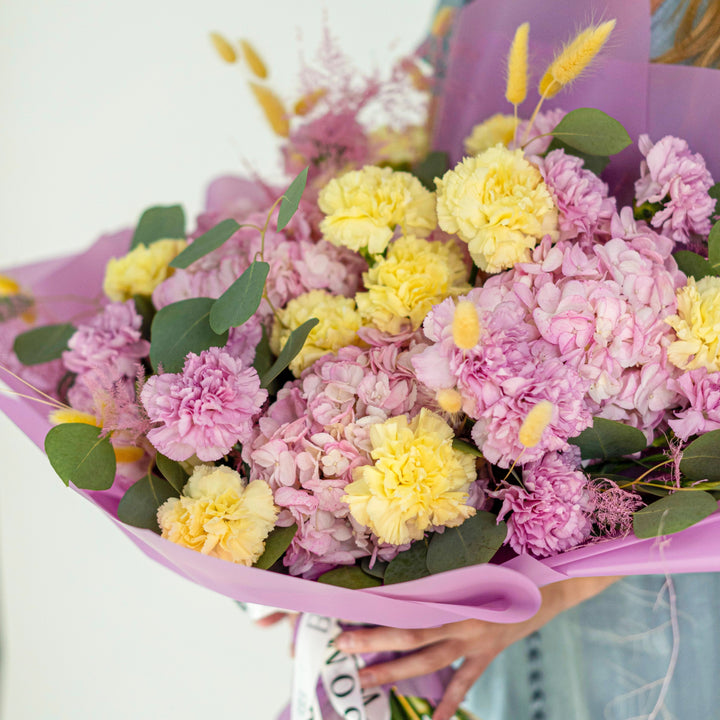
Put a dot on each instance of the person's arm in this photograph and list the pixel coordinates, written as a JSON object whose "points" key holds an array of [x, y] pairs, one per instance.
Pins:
{"points": [[477, 641]]}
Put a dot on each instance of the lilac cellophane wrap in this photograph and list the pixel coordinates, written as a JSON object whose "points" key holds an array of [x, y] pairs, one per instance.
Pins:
{"points": [[645, 98]]}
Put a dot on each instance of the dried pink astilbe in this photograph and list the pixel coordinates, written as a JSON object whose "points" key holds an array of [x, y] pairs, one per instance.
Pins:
{"points": [[679, 180], [613, 508], [205, 409]]}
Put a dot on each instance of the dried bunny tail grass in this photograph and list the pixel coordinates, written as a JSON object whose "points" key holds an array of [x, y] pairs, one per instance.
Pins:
{"points": [[574, 58], [254, 62], [517, 67], [442, 22], [273, 108], [224, 49]]}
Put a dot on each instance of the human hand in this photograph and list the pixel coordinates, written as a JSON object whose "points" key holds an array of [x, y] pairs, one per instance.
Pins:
{"points": [[477, 641]]}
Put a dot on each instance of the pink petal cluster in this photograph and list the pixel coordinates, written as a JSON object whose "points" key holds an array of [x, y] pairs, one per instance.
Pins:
{"points": [[510, 370], [309, 441], [111, 339], [205, 409], [679, 180], [701, 392], [544, 123], [580, 195], [551, 511]]}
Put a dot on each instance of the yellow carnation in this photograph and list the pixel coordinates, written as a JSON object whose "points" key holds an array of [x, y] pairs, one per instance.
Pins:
{"points": [[399, 147], [417, 481], [219, 515], [499, 204], [338, 324], [697, 325], [415, 275], [497, 129], [141, 270], [363, 208]]}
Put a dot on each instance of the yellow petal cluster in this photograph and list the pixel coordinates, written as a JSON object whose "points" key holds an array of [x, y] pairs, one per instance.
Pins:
{"points": [[497, 129], [8, 286], [697, 325], [141, 270], [399, 147], [338, 324], [363, 208], [416, 482], [415, 275], [219, 515], [499, 204]]}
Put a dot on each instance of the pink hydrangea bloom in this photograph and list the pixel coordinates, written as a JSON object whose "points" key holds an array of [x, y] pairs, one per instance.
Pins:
{"points": [[310, 440], [511, 369], [110, 340], [701, 391], [679, 180], [205, 409], [551, 511], [581, 197]]}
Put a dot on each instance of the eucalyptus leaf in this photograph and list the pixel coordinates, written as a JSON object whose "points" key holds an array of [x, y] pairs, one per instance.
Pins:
{"points": [[276, 543], [146, 310], [714, 193], [139, 505], [263, 355], [673, 513], [433, 165], [411, 564], [159, 223], [79, 455], [472, 543], [594, 163], [241, 300], [43, 344], [377, 570], [592, 131], [181, 328], [206, 243], [292, 347], [609, 439], [172, 471], [701, 458], [714, 248], [692, 264], [350, 576], [291, 199], [464, 446]]}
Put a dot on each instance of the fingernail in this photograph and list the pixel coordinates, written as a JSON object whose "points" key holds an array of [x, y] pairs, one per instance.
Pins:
{"points": [[344, 642], [367, 678]]}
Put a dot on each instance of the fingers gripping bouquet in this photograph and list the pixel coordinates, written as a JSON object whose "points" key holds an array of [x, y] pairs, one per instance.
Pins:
{"points": [[322, 398]]}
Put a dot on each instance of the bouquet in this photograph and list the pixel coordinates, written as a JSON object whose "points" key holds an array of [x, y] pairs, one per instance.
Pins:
{"points": [[501, 371]]}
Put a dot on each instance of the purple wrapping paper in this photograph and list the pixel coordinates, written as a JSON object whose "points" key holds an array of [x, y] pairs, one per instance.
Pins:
{"points": [[645, 98]]}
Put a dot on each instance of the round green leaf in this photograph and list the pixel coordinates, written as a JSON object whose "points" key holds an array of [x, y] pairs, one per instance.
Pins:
{"points": [[692, 264], [241, 300], [291, 199], [206, 243], [349, 577], [472, 543], [609, 439], [139, 505], [159, 223], [592, 131], [172, 471], [80, 456], [673, 513], [182, 328], [408, 565], [701, 458], [714, 248], [43, 344], [276, 543]]}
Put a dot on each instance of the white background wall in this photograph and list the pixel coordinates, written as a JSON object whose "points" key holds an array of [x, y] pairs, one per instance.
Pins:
{"points": [[106, 108]]}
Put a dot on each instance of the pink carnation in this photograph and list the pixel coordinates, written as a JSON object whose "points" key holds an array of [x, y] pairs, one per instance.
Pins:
{"points": [[550, 512], [581, 197], [110, 340], [205, 409], [701, 390], [679, 180]]}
